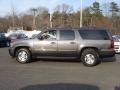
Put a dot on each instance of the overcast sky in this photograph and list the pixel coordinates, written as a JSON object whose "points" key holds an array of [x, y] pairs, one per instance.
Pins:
{"points": [[23, 5]]}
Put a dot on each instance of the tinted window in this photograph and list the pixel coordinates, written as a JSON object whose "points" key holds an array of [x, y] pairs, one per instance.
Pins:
{"points": [[2, 35], [94, 34], [67, 35]]}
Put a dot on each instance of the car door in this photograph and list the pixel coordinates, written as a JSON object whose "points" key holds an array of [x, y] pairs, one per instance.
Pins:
{"points": [[46, 45], [67, 45]]}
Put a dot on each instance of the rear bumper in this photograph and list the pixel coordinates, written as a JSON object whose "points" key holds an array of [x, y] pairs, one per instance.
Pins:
{"points": [[107, 53]]}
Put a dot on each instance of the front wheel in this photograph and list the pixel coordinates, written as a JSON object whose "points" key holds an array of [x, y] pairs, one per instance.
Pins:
{"points": [[90, 57], [23, 55]]}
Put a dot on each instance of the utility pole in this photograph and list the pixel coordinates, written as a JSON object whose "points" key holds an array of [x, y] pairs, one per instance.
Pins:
{"points": [[51, 24], [13, 16], [34, 20], [13, 19], [81, 15]]}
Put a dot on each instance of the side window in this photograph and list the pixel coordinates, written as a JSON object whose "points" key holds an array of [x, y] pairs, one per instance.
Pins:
{"points": [[49, 35], [94, 34], [67, 35], [2, 36]]}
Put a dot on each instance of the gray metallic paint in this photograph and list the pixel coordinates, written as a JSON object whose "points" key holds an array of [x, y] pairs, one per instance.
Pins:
{"points": [[58, 48]]}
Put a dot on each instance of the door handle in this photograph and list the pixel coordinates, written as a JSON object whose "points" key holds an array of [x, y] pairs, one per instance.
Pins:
{"points": [[53, 43], [72, 42]]}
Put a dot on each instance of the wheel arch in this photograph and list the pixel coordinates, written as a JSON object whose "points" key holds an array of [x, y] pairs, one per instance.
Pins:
{"points": [[84, 48], [20, 47]]}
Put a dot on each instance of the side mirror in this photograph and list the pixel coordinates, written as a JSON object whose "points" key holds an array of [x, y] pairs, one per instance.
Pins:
{"points": [[43, 37], [40, 38]]}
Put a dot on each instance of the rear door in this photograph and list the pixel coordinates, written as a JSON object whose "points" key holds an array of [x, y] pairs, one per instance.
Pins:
{"points": [[67, 45]]}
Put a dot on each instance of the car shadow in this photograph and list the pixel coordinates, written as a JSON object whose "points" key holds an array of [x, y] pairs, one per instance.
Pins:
{"points": [[60, 86], [117, 88], [103, 60], [3, 47], [55, 60]]}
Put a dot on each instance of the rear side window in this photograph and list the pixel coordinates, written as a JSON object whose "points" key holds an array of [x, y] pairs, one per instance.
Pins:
{"points": [[67, 35], [94, 34]]}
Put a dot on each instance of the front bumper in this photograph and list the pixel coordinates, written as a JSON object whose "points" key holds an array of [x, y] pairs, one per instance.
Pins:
{"points": [[11, 52], [107, 53]]}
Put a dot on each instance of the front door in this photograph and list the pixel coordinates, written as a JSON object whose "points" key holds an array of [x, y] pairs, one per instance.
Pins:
{"points": [[46, 45]]}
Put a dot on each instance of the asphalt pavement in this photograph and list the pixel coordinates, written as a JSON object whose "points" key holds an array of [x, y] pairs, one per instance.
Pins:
{"points": [[58, 74]]}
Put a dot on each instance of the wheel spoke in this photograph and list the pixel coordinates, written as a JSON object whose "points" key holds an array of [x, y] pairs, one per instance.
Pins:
{"points": [[89, 59], [22, 56]]}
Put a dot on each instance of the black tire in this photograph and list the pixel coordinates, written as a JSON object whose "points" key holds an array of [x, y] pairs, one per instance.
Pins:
{"points": [[27, 53], [94, 57]]}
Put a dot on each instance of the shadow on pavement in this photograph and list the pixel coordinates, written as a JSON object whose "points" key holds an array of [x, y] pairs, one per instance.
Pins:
{"points": [[104, 60], [61, 87], [3, 47], [55, 60], [117, 88]]}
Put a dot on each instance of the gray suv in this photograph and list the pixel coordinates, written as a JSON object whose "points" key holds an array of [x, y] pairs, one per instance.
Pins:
{"points": [[87, 44]]}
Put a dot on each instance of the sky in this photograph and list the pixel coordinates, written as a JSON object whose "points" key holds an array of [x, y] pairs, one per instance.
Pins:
{"points": [[24, 5]]}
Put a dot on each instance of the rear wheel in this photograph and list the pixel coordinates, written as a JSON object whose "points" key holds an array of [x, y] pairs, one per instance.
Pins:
{"points": [[23, 55], [90, 57]]}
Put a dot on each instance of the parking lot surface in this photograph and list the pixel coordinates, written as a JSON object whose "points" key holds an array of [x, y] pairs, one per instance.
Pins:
{"points": [[58, 74]]}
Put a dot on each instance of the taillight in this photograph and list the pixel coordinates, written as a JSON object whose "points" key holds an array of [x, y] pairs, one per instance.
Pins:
{"points": [[112, 44]]}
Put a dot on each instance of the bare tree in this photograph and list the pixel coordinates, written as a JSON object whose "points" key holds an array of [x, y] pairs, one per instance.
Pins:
{"points": [[62, 16]]}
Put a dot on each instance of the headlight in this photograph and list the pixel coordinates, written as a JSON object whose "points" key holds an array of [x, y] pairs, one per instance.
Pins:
{"points": [[11, 44]]}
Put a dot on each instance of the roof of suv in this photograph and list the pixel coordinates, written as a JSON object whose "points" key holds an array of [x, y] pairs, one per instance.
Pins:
{"points": [[82, 28]]}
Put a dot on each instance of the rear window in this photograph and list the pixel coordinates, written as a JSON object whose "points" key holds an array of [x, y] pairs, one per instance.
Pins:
{"points": [[94, 34]]}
